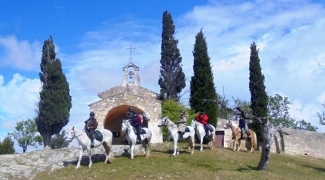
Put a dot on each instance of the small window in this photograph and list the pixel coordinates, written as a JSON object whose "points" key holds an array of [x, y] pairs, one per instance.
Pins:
{"points": [[116, 134]]}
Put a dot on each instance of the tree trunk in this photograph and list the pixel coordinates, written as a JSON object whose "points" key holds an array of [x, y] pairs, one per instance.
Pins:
{"points": [[47, 140], [267, 135]]}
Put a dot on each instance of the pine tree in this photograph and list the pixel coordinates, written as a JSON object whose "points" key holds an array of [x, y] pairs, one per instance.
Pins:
{"points": [[172, 77], [7, 146], [59, 140], [55, 100], [202, 85]]}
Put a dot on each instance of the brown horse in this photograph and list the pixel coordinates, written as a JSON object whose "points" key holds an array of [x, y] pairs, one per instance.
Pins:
{"points": [[236, 134]]}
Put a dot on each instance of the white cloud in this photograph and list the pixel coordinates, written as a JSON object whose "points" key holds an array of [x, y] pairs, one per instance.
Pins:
{"points": [[19, 99], [20, 54]]}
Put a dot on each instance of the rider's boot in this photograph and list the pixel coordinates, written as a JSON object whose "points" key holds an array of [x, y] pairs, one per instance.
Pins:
{"points": [[242, 135], [180, 135], [206, 133], [92, 141], [138, 138]]}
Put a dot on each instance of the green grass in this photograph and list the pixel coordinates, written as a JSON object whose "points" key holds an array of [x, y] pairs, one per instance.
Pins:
{"points": [[218, 163]]}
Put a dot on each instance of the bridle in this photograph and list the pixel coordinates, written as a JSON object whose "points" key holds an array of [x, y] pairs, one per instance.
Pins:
{"points": [[163, 122], [74, 135], [126, 123], [228, 125]]}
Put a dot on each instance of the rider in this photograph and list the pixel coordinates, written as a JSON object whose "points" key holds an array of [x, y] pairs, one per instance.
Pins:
{"points": [[181, 124], [242, 126], [136, 122], [130, 113], [90, 126], [203, 118]]}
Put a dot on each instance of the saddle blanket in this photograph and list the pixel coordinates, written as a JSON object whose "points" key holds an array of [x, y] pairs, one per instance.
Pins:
{"points": [[98, 135]]}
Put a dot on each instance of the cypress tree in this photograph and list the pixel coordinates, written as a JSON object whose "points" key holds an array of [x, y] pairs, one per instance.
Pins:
{"points": [[172, 77], [55, 100], [259, 98], [202, 85]]}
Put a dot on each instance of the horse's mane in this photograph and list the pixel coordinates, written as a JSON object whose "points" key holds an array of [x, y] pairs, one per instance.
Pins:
{"points": [[234, 123], [171, 122]]}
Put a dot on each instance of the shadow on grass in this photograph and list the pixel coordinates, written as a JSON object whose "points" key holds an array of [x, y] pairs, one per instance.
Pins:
{"points": [[85, 160], [249, 168], [181, 150], [316, 168]]}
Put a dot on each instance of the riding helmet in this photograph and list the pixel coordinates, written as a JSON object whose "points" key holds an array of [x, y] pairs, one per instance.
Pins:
{"points": [[92, 114]]}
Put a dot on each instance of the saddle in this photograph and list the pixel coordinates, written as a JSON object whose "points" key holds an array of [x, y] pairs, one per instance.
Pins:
{"points": [[97, 135], [210, 128], [142, 131], [246, 132]]}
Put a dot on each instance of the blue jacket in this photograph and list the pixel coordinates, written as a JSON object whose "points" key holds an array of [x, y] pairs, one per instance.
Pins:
{"points": [[242, 123]]}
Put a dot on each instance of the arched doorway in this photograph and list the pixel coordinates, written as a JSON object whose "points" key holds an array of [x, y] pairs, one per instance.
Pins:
{"points": [[113, 121]]}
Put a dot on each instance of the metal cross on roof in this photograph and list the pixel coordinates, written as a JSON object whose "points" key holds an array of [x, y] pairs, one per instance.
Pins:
{"points": [[130, 61]]}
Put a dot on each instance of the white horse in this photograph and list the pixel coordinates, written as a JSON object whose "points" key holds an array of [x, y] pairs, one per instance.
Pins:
{"points": [[173, 133], [131, 137], [200, 132], [84, 143]]}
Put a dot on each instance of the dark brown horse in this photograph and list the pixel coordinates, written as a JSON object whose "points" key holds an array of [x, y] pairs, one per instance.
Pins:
{"points": [[236, 134]]}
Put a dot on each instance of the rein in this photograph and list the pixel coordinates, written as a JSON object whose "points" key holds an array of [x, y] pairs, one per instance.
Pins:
{"points": [[169, 123], [83, 131]]}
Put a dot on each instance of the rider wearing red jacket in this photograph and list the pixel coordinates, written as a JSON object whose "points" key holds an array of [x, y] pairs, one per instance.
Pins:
{"points": [[203, 118], [137, 123]]}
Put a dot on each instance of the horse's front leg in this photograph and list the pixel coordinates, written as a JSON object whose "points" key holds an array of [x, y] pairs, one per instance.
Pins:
{"points": [[175, 148], [132, 149], [80, 156], [89, 155], [235, 144], [192, 145], [201, 143]]}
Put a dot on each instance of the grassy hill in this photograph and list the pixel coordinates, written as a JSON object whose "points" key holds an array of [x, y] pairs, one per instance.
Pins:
{"points": [[217, 164]]}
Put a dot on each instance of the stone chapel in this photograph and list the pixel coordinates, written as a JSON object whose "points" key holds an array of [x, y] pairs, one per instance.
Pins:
{"points": [[111, 109]]}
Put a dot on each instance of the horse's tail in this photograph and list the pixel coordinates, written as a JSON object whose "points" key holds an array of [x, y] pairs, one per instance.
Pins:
{"points": [[254, 140]]}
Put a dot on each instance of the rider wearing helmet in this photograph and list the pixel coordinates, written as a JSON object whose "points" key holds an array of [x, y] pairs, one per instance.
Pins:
{"points": [[90, 126], [181, 124], [137, 123]]}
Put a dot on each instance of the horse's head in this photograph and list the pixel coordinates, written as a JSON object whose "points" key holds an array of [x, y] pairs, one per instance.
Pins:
{"points": [[70, 134], [145, 117], [228, 125], [162, 121], [193, 123], [125, 125]]}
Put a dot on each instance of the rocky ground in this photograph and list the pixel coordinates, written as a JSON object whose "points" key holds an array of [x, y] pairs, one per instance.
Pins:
{"points": [[27, 165]]}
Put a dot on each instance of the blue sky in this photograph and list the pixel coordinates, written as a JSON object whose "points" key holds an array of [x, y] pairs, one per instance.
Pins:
{"points": [[92, 38]]}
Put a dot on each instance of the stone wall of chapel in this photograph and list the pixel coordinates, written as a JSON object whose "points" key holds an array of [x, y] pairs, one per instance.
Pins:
{"points": [[114, 103]]}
